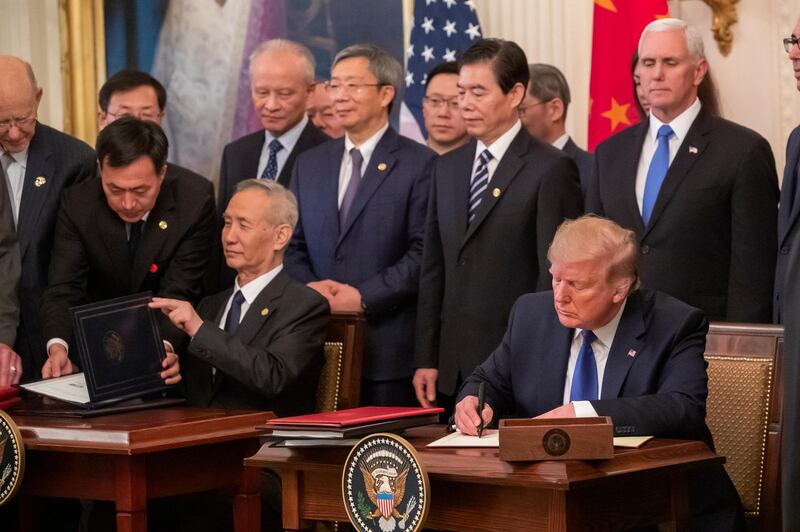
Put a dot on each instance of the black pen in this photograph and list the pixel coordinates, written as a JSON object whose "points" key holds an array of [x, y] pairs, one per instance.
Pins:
{"points": [[481, 404]]}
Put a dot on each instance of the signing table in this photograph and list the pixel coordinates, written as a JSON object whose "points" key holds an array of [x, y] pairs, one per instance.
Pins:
{"points": [[472, 489], [132, 457]]}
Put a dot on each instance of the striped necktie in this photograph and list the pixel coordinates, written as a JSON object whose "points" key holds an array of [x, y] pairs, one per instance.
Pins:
{"points": [[479, 183]]}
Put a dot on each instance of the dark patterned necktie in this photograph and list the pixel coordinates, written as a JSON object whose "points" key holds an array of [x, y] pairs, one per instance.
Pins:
{"points": [[271, 170], [479, 183]]}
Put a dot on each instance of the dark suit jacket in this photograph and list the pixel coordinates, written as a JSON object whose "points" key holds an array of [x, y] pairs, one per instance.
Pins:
{"points": [[711, 240], [61, 160], [90, 255], [471, 276], [787, 219], [584, 160], [240, 161], [271, 362], [661, 391], [9, 268], [379, 249]]}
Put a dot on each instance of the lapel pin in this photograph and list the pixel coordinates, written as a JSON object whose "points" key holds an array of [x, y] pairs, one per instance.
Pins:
{"points": [[631, 353], [693, 149], [382, 166], [39, 181], [496, 193], [265, 312], [162, 225], [153, 268]]}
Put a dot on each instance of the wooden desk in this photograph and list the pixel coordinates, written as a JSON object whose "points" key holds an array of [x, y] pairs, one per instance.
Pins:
{"points": [[471, 489], [129, 458]]}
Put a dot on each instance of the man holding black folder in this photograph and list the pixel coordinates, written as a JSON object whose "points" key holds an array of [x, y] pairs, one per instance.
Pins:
{"points": [[131, 230]]}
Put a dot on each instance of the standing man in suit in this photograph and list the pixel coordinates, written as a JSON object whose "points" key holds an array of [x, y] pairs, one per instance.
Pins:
{"points": [[257, 345], [362, 217], [10, 361], [700, 192], [281, 82], [129, 231], [39, 162], [596, 345], [443, 120], [544, 115], [496, 203]]}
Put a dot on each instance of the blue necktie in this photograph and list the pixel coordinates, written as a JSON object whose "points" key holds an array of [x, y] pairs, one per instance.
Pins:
{"points": [[271, 170], [656, 173], [352, 186], [584, 380], [234, 313], [479, 183]]}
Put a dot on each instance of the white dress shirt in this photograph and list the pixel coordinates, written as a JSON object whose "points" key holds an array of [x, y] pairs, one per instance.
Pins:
{"points": [[287, 140], [600, 347], [561, 141], [366, 148], [680, 127], [14, 166], [497, 149]]}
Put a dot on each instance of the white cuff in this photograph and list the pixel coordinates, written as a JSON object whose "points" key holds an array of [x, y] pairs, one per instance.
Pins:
{"points": [[59, 341], [584, 409]]}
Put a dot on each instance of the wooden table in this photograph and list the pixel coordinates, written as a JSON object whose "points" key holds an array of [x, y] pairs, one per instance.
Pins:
{"points": [[472, 489], [129, 458]]}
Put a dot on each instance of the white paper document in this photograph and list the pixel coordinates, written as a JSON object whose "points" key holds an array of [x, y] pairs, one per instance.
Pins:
{"points": [[71, 388], [491, 438]]}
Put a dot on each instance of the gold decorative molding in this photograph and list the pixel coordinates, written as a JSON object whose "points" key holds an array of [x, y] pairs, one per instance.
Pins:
{"points": [[83, 64], [724, 16]]}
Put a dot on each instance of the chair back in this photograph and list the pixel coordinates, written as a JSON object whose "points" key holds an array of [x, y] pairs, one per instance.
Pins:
{"points": [[340, 383]]}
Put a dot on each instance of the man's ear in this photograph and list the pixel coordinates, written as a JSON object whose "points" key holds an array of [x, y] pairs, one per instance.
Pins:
{"points": [[622, 288], [283, 233], [517, 94], [556, 108]]}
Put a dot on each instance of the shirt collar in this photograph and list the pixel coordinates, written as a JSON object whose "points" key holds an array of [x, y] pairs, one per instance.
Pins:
{"points": [[20, 157], [606, 333], [680, 124], [368, 146], [290, 137], [251, 290], [499, 146], [561, 141]]}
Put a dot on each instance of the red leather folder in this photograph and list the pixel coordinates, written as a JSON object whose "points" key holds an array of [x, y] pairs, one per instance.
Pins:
{"points": [[354, 416]]}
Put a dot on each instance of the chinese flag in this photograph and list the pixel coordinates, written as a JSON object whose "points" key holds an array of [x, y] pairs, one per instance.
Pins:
{"points": [[617, 26]]}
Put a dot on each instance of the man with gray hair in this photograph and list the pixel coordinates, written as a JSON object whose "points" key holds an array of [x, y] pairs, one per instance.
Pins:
{"points": [[700, 192], [544, 113], [259, 344], [362, 216]]}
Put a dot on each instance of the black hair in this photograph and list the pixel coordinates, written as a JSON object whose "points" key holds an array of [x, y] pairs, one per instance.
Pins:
{"points": [[126, 80], [509, 63], [125, 140]]}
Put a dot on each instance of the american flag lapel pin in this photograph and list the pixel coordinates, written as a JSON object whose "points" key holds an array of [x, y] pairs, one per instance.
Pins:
{"points": [[632, 353]]}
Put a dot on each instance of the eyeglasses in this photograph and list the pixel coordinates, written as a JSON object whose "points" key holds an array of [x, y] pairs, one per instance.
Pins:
{"points": [[350, 88], [20, 123], [436, 103], [152, 116], [521, 110], [790, 42]]}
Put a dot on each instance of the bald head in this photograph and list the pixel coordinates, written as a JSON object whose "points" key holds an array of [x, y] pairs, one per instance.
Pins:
{"points": [[19, 103]]}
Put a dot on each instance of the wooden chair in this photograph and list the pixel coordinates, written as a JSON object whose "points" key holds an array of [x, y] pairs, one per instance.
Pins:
{"points": [[340, 383], [744, 412]]}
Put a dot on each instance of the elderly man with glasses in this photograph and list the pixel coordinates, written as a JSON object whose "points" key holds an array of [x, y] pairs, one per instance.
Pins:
{"points": [[38, 163]]}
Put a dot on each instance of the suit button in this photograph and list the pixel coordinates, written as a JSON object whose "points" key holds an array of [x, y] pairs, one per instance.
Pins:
{"points": [[785, 250], [645, 249]]}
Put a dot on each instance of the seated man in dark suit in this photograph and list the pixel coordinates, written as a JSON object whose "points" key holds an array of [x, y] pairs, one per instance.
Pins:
{"points": [[259, 344], [131, 230], [596, 345]]}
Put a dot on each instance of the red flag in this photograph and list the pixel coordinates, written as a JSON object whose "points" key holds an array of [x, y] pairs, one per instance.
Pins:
{"points": [[617, 26]]}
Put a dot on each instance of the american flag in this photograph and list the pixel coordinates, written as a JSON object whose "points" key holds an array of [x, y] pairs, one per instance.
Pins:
{"points": [[440, 31]]}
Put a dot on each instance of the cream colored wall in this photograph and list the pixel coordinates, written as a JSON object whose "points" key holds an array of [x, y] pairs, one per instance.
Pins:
{"points": [[30, 29]]}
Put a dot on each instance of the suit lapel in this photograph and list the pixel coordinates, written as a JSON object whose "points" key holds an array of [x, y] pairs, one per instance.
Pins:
{"points": [[456, 186], [508, 168], [303, 143], [554, 369], [789, 211], [689, 152], [629, 169], [373, 177], [114, 236], [40, 164], [160, 225], [249, 165], [627, 345]]}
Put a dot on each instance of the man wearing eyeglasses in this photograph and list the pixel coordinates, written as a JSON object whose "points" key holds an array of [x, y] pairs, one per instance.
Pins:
{"points": [[38, 162], [544, 113], [443, 120], [362, 206]]}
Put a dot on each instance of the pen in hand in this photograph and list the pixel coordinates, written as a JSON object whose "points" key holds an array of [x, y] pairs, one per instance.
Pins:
{"points": [[481, 404]]}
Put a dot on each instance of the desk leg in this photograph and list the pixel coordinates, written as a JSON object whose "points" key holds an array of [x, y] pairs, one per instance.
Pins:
{"points": [[679, 495], [290, 489], [131, 494], [247, 502]]}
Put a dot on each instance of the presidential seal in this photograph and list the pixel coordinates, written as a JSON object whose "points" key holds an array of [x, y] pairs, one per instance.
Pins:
{"points": [[384, 485], [12, 458], [555, 442], [114, 346]]}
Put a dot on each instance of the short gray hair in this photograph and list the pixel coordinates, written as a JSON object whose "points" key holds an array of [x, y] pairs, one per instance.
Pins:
{"points": [[386, 69], [284, 209], [547, 82], [694, 41], [285, 45]]}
